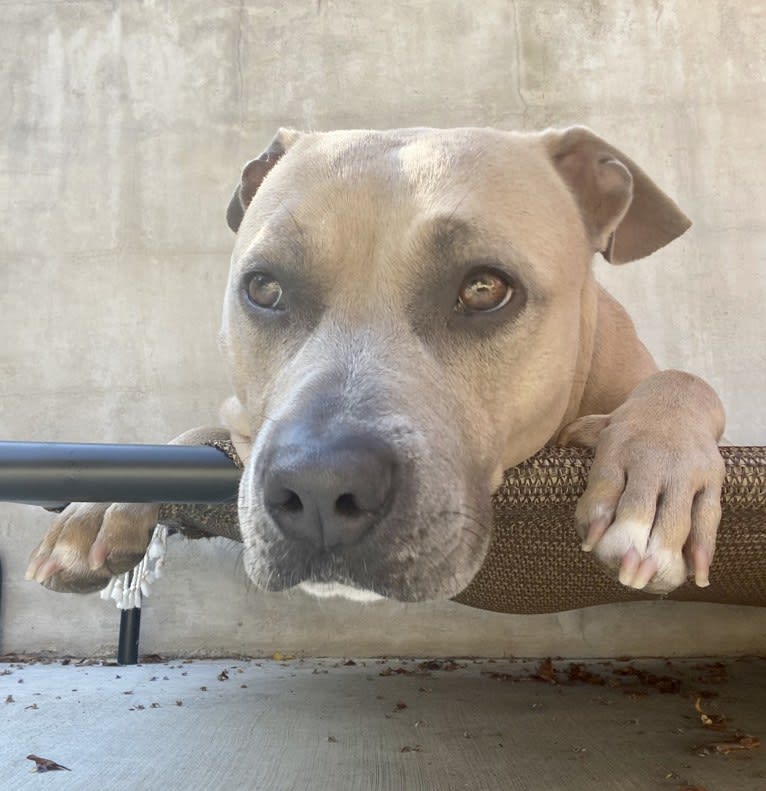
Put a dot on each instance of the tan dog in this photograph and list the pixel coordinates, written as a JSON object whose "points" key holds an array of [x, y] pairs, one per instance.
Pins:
{"points": [[408, 314]]}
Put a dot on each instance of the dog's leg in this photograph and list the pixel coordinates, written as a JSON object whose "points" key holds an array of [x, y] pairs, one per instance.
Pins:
{"points": [[652, 505], [88, 543]]}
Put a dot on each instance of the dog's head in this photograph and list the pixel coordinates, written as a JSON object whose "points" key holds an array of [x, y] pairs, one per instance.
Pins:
{"points": [[408, 314]]}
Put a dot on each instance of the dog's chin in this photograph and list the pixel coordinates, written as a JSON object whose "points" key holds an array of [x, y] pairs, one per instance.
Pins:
{"points": [[331, 590], [413, 577]]}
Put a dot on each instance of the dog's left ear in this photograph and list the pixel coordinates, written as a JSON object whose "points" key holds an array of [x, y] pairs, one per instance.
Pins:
{"points": [[254, 173], [626, 214]]}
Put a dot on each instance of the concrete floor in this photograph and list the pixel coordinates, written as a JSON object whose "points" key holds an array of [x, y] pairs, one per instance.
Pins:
{"points": [[338, 725]]}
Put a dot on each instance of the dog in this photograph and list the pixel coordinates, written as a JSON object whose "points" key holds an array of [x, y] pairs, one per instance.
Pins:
{"points": [[408, 314]]}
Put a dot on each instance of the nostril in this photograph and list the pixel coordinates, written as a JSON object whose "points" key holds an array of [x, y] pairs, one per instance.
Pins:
{"points": [[346, 505], [291, 502]]}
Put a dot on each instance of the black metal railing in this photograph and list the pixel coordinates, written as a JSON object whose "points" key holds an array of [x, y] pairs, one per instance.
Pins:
{"points": [[53, 473]]}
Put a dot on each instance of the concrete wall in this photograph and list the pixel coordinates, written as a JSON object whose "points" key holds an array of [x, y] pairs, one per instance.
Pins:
{"points": [[123, 127]]}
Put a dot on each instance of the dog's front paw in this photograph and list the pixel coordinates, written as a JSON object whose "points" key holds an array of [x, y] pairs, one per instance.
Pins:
{"points": [[90, 542], [652, 506]]}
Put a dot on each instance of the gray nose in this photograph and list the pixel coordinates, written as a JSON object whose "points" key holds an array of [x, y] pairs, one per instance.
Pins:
{"points": [[329, 492]]}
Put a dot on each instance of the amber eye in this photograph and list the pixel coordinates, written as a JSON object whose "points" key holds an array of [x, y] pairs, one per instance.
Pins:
{"points": [[483, 291], [264, 291]]}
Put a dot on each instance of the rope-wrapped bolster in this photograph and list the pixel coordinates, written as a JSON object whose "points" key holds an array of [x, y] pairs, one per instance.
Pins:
{"points": [[535, 564]]}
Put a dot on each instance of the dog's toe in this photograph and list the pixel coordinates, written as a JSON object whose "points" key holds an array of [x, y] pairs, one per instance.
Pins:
{"points": [[88, 543], [124, 536], [77, 581], [66, 545]]}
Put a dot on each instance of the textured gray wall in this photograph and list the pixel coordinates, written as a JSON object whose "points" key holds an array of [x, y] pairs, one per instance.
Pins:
{"points": [[123, 127]]}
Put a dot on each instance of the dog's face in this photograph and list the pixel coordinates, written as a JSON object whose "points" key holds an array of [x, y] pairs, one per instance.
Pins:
{"points": [[404, 320]]}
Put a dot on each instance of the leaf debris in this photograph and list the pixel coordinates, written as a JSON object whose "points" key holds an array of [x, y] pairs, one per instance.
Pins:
{"points": [[46, 764], [715, 721], [739, 741]]}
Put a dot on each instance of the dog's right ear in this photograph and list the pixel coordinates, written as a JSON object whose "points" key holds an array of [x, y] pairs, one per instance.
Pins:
{"points": [[254, 173]]}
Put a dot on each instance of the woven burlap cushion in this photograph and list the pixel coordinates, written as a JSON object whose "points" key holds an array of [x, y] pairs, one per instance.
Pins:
{"points": [[535, 563]]}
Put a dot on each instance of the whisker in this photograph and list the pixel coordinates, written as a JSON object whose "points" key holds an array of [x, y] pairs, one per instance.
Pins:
{"points": [[291, 216], [459, 203]]}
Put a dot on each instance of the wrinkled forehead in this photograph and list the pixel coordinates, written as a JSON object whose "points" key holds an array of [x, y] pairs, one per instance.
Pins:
{"points": [[352, 189]]}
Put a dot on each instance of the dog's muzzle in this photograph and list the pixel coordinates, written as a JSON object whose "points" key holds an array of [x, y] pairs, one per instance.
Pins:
{"points": [[332, 498]]}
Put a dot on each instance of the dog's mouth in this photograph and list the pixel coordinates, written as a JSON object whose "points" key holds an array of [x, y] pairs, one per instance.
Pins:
{"points": [[435, 560]]}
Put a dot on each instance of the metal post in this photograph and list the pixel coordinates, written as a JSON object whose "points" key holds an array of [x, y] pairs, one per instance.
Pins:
{"points": [[130, 630]]}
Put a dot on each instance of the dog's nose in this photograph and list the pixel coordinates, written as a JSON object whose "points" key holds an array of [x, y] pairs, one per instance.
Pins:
{"points": [[328, 493]]}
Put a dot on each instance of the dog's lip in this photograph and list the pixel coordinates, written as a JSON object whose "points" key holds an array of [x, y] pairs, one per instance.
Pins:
{"points": [[325, 567], [303, 565], [328, 568]]}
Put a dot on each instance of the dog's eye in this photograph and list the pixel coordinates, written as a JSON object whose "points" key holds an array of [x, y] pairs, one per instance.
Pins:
{"points": [[264, 291], [483, 291]]}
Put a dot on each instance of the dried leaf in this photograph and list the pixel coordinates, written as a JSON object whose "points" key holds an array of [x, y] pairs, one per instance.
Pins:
{"points": [[46, 764], [715, 721], [577, 672], [497, 676], [399, 671], [664, 684], [713, 672], [740, 741], [546, 672], [417, 748], [278, 656], [151, 659]]}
